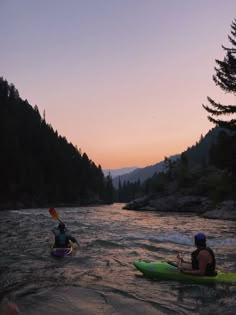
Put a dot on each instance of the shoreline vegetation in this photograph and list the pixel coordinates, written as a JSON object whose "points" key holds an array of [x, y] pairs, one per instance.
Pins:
{"points": [[209, 188]]}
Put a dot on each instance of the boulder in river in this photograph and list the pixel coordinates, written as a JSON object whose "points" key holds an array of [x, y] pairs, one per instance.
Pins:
{"points": [[226, 210], [170, 203], [179, 203]]}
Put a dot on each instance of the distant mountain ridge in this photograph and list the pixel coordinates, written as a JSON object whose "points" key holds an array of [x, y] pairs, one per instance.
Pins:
{"points": [[119, 171], [196, 155], [142, 173]]}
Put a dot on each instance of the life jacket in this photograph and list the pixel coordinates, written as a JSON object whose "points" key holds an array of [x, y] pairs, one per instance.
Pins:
{"points": [[210, 268], [61, 240]]}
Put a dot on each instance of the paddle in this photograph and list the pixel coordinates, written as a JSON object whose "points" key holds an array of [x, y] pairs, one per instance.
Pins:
{"points": [[180, 259], [172, 263], [54, 215]]}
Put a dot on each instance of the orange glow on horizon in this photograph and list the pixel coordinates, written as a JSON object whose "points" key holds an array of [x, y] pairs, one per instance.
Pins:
{"points": [[123, 82]]}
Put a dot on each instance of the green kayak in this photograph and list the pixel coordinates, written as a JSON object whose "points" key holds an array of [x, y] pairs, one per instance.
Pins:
{"points": [[161, 270]]}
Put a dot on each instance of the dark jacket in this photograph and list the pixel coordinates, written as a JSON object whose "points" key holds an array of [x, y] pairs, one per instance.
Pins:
{"points": [[62, 238]]}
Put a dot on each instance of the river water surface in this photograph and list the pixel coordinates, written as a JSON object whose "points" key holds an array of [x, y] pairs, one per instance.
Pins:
{"points": [[100, 278]]}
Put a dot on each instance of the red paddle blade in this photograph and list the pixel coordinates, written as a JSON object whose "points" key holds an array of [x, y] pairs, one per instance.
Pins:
{"points": [[53, 213]]}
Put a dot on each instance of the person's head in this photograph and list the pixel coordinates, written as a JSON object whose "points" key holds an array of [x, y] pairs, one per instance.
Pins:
{"points": [[61, 226], [200, 240]]}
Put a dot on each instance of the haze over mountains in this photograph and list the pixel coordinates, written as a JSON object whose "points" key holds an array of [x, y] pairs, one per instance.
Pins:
{"points": [[119, 171], [196, 155], [141, 174]]}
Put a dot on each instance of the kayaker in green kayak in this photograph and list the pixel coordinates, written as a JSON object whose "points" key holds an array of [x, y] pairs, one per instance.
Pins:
{"points": [[203, 261], [63, 236]]}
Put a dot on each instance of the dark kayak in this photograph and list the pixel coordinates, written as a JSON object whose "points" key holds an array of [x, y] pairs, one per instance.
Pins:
{"points": [[160, 270], [61, 252]]}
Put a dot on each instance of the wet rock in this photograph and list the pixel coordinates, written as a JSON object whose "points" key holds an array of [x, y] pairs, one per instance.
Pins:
{"points": [[197, 204], [170, 203], [226, 210], [137, 204], [179, 203]]}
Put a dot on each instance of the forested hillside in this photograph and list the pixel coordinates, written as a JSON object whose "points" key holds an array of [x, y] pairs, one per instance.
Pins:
{"points": [[208, 168], [38, 166]]}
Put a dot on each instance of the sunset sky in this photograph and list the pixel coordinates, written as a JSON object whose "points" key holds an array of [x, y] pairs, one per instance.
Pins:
{"points": [[124, 80]]}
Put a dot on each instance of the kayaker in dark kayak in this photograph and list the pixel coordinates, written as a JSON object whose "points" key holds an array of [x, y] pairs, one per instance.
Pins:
{"points": [[203, 259], [63, 236]]}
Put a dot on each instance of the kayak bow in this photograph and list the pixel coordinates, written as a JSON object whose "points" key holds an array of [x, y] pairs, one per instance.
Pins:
{"points": [[61, 252], [161, 270]]}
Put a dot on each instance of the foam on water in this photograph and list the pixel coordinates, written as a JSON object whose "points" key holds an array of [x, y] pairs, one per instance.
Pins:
{"points": [[111, 239]]}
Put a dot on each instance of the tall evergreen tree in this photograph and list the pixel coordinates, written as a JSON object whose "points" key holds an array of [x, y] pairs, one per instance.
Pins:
{"points": [[37, 165], [225, 78]]}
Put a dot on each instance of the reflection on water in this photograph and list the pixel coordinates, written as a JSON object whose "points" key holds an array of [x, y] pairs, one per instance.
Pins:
{"points": [[99, 278]]}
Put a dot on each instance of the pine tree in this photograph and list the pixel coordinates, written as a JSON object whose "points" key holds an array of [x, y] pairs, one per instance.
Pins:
{"points": [[225, 78]]}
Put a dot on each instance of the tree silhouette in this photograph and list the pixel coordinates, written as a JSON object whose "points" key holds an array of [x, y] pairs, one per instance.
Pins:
{"points": [[38, 166], [225, 78]]}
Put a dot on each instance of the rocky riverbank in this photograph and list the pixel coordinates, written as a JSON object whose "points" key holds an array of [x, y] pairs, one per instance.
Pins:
{"points": [[200, 205]]}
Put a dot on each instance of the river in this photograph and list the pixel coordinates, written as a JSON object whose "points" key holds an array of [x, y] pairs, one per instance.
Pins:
{"points": [[100, 278]]}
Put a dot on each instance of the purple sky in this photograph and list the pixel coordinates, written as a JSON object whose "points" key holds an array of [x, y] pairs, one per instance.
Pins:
{"points": [[123, 80]]}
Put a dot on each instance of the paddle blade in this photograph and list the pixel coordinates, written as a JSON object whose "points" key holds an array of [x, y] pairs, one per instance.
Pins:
{"points": [[53, 213]]}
